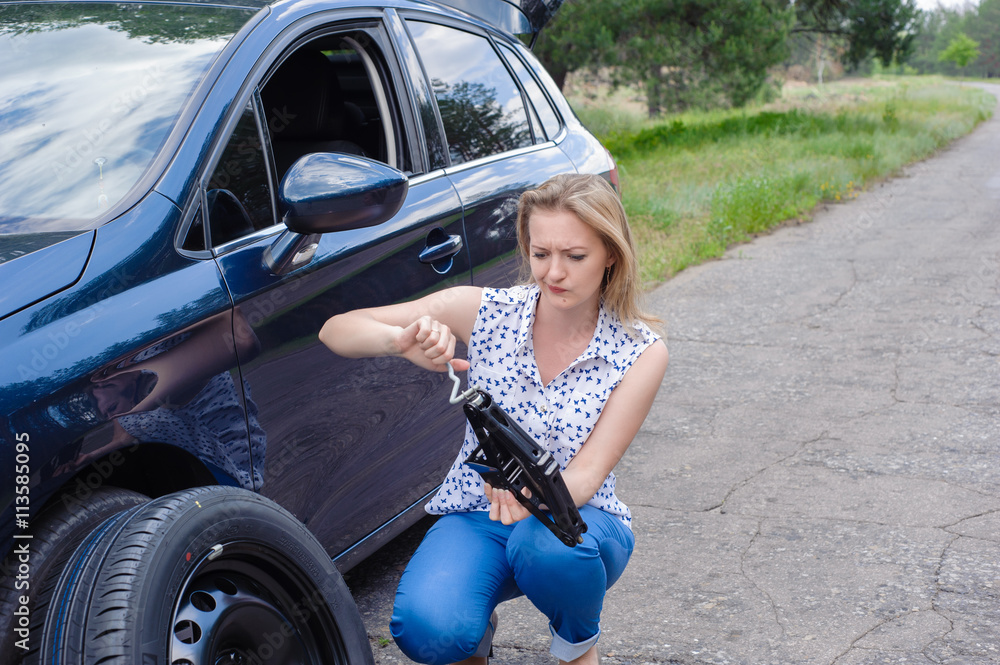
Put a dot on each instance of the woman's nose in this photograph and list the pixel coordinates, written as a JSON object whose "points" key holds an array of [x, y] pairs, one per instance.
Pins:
{"points": [[557, 269]]}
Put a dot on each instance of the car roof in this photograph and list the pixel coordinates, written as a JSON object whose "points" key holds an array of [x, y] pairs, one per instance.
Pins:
{"points": [[514, 17]]}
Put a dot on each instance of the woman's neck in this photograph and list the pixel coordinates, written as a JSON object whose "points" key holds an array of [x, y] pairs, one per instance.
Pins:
{"points": [[571, 323], [560, 336]]}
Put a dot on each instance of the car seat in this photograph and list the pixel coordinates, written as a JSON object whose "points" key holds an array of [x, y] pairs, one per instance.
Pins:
{"points": [[306, 111]]}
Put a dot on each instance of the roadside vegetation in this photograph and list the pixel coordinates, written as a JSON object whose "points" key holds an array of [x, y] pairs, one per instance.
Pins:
{"points": [[697, 182]]}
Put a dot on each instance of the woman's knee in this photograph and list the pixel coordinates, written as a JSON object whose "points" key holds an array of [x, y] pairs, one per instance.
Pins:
{"points": [[537, 556], [456, 576], [534, 552], [436, 635]]}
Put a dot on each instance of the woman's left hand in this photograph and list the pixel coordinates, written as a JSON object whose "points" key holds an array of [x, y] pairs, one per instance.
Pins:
{"points": [[504, 506]]}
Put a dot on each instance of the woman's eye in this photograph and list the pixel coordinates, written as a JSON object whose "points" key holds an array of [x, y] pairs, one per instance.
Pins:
{"points": [[578, 257], [538, 255]]}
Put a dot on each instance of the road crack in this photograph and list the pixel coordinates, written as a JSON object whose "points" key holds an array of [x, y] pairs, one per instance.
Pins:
{"points": [[775, 610], [746, 481]]}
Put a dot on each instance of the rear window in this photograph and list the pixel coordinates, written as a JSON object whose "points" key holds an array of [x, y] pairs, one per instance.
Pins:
{"points": [[88, 94], [481, 106], [546, 114]]}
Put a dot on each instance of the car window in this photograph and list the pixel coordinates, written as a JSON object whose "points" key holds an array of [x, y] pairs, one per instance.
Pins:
{"points": [[194, 238], [481, 106], [332, 95], [542, 106], [239, 194]]}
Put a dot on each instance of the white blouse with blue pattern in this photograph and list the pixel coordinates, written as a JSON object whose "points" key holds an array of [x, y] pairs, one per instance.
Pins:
{"points": [[560, 415]]}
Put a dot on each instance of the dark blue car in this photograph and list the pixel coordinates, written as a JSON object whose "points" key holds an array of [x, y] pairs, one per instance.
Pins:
{"points": [[187, 192]]}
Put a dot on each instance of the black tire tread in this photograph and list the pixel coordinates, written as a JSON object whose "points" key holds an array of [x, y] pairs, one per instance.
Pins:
{"points": [[74, 588], [56, 531]]}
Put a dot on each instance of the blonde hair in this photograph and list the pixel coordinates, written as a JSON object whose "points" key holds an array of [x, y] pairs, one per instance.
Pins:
{"points": [[595, 203]]}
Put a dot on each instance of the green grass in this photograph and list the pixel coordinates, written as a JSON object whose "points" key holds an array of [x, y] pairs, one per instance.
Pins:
{"points": [[697, 183]]}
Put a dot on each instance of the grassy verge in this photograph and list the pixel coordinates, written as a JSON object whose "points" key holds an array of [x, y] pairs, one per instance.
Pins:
{"points": [[696, 183]]}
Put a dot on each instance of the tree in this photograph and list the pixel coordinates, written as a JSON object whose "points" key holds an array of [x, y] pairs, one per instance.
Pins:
{"points": [[883, 28], [962, 50], [683, 53], [983, 26], [937, 28], [582, 35], [687, 53]]}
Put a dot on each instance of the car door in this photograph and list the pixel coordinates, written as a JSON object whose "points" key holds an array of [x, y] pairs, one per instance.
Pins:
{"points": [[347, 444], [499, 130]]}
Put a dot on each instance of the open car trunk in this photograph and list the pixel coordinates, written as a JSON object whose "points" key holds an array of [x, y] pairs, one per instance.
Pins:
{"points": [[518, 17]]}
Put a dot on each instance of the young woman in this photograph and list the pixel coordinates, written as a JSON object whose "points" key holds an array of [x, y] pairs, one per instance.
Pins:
{"points": [[571, 356]]}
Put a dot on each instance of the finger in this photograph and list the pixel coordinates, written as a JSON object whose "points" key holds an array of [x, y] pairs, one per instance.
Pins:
{"points": [[498, 503], [441, 356], [437, 340], [460, 364], [425, 326], [434, 336], [495, 508], [506, 517], [408, 336], [451, 346], [516, 511]]}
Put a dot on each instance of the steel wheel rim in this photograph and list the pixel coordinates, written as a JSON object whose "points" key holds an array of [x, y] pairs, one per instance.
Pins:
{"points": [[250, 608]]}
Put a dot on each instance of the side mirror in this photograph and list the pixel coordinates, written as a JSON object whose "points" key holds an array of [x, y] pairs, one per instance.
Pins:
{"points": [[324, 192]]}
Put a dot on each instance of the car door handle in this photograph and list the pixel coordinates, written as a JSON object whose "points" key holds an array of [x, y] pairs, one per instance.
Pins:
{"points": [[443, 246]]}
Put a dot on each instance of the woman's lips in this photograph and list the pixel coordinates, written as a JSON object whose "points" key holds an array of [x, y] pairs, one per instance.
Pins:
{"points": [[555, 289]]}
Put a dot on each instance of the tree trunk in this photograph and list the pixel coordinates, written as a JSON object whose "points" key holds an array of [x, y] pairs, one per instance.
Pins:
{"points": [[558, 74], [654, 92], [820, 59]]}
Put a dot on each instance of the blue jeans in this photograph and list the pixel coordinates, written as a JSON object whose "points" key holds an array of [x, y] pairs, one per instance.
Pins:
{"points": [[467, 565]]}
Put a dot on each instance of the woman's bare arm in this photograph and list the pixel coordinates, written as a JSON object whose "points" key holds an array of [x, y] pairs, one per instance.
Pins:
{"points": [[620, 420], [623, 415], [424, 330]]}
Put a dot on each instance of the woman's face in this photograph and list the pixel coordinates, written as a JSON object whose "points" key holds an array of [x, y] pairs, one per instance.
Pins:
{"points": [[116, 395], [568, 260]]}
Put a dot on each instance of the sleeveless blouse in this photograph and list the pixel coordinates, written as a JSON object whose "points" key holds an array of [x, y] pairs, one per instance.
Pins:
{"points": [[560, 415]]}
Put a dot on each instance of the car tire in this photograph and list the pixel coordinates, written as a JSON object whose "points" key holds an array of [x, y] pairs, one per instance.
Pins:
{"points": [[203, 576], [55, 532]]}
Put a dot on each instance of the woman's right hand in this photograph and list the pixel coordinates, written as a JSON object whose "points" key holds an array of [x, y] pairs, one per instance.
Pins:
{"points": [[504, 506], [423, 331], [430, 344]]}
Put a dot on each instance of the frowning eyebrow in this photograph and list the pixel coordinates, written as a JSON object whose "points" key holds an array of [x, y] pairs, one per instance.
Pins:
{"points": [[566, 249]]}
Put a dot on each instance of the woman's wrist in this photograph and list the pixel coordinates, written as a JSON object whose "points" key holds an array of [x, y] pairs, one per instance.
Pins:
{"points": [[581, 487], [392, 345]]}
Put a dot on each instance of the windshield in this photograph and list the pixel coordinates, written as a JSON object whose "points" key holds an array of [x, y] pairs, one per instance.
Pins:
{"points": [[88, 94]]}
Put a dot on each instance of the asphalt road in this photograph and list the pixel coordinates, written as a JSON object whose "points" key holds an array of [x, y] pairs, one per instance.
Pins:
{"points": [[819, 479]]}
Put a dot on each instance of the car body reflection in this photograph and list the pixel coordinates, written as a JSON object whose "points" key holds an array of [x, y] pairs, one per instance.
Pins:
{"points": [[179, 391]]}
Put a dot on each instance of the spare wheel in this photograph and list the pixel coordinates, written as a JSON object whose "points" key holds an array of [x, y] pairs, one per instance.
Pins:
{"points": [[200, 577]]}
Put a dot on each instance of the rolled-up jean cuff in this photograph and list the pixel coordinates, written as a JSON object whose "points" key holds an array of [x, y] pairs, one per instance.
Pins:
{"points": [[567, 651]]}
